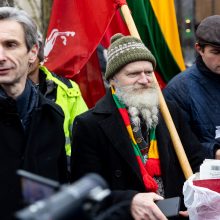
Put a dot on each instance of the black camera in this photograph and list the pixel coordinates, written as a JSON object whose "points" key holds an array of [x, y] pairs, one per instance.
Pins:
{"points": [[71, 201]]}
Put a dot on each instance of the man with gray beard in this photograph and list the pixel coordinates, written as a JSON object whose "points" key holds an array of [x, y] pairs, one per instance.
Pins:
{"points": [[140, 101], [125, 140]]}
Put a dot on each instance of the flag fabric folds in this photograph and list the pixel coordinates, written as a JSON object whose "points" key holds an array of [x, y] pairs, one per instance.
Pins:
{"points": [[157, 26], [90, 81], [75, 30], [117, 25]]}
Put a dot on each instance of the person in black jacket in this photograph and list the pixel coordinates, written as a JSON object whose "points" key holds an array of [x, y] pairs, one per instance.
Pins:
{"points": [[31, 127], [125, 140]]}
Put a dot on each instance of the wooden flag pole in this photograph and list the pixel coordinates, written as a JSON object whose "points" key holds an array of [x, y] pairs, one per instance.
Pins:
{"points": [[178, 147]]}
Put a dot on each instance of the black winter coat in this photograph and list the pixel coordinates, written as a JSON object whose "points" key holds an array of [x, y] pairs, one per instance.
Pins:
{"points": [[40, 151], [101, 144]]}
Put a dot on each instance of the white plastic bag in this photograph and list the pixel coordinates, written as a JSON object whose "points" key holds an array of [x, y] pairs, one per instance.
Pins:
{"points": [[202, 203]]}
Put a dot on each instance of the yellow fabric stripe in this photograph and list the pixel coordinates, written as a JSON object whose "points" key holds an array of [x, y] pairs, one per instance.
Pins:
{"points": [[165, 13], [153, 151], [130, 132]]}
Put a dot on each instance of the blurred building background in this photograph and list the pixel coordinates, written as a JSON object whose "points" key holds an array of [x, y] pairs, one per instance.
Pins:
{"points": [[189, 13]]}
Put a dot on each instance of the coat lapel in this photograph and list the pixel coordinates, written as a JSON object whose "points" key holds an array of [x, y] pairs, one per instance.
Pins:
{"points": [[114, 128]]}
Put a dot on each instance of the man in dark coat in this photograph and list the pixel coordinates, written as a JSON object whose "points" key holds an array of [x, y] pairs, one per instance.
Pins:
{"points": [[125, 139], [31, 127]]}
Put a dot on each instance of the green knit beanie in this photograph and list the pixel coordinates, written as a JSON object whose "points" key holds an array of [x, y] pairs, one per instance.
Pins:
{"points": [[124, 50]]}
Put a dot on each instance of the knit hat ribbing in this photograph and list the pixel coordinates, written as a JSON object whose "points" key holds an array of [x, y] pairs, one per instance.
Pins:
{"points": [[124, 50]]}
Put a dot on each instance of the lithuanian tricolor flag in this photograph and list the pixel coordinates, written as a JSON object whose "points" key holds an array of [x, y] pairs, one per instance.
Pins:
{"points": [[157, 26]]}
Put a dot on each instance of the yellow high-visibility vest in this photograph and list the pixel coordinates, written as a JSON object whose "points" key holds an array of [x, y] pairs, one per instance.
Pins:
{"points": [[71, 102]]}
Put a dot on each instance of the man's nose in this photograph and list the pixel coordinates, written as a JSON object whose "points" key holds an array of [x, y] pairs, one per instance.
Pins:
{"points": [[145, 78], [2, 54]]}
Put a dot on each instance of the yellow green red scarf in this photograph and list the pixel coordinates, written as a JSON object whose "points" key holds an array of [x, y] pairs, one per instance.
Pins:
{"points": [[151, 167]]}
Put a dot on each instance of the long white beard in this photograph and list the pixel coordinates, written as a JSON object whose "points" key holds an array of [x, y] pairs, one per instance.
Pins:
{"points": [[140, 100]]}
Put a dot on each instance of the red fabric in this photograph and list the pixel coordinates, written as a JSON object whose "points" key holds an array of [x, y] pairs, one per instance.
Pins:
{"points": [[125, 116], [120, 2], [149, 182], [78, 27], [153, 167], [117, 25], [90, 81], [160, 81]]}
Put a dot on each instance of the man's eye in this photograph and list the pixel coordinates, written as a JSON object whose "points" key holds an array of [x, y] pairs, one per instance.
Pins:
{"points": [[148, 73], [216, 52], [11, 45], [133, 74]]}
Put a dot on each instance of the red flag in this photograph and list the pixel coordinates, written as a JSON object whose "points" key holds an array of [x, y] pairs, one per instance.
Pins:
{"points": [[117, 25], [75, 30], [90, 81], [90, 78]]}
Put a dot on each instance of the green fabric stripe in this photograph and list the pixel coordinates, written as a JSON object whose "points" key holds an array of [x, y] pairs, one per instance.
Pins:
{"points": [[152, 134], [153, 38], [117, 102], [135, 146], [137, 151]]}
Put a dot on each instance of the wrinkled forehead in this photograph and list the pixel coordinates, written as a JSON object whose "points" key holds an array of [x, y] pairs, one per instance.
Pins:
{"points": [[11, 30], [138, 66]]}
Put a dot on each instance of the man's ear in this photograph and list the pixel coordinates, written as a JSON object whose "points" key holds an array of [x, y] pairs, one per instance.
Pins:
{"points": [[113, 81], [33, 53], [198, 48]]}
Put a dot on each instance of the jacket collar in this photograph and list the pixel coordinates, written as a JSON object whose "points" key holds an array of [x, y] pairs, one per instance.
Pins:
{"points": [[7, 103], [106, 105], [23, 104], [205, 71], [45, 102]]}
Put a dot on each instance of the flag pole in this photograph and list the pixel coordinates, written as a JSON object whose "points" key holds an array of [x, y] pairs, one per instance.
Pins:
{"points": [[178, 147]]}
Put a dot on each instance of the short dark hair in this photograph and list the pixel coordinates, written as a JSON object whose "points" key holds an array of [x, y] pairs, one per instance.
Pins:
{"points": [[40, 54], [201, 44]]}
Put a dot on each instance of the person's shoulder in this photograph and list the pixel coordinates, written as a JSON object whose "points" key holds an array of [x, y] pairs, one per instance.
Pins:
{"points": [[45, 103], [86, 118], [101, 110], [52, 75], [171, 105], [183, 76], [62, 79], [175, 111], [87, 114], [71, 88], [181, 83]]}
